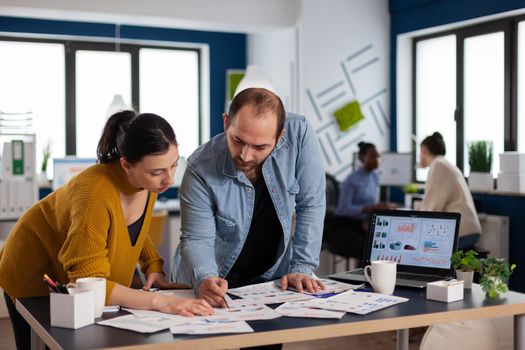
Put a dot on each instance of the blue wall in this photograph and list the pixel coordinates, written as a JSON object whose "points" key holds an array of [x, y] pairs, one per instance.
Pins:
{"points": [[227, 50], [411, 15]]}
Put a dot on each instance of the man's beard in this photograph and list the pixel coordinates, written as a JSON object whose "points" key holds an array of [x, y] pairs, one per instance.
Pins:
{"points": [[245, 166]]}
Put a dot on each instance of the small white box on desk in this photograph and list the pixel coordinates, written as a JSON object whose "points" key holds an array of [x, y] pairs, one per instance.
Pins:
{"points": [[511, 182], [446, 291], [73, 310], [512, 162]]}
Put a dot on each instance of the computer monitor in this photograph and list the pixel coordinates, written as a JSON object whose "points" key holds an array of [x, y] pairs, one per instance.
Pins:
{"points": [[395, 169], [65, 168]]}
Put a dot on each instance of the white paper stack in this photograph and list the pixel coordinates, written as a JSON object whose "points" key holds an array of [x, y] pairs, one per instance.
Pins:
{"points": [[360, 303], [252, 307]]}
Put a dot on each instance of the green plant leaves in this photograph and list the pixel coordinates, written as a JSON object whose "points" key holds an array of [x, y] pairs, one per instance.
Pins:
{"points": [[465, 261], [480, 156], [496, 273]]}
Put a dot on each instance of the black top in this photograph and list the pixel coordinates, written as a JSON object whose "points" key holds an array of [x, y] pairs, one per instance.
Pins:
{"points": [[134, 228], [261, 248]]}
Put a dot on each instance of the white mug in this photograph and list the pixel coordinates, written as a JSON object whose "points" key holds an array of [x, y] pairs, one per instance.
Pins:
{"points": [[383, 278], [98, 286]]}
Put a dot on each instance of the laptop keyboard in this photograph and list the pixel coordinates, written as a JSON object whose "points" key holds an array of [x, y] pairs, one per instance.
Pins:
{"points": [[424, 278], [401, 275]]}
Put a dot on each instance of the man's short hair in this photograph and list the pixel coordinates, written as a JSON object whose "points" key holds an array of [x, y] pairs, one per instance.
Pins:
{"points": [[263, 101]]}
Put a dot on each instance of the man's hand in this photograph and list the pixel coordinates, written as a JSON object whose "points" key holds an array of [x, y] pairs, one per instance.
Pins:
{"points": [[158, 279], [213, 290], [301, 282]]}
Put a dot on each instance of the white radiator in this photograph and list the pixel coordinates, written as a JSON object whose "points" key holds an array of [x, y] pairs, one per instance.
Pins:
{"points": [[495, 235]]}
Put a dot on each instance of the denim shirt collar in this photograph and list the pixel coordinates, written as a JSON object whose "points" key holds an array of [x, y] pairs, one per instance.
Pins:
{"points": [[228, 167]]}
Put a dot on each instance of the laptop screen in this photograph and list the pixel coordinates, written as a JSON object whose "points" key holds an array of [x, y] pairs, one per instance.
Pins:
{"points": [[418, 241]]}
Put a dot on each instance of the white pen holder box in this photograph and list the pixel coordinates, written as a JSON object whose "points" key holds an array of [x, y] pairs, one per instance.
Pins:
{"points": [[446, 291], [73, 310]]}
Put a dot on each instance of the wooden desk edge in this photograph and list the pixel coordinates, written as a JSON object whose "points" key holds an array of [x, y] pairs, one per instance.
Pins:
{"points": [[337, 330], [36, 327]]}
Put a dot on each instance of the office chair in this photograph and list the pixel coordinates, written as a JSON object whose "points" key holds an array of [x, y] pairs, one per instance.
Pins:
{"points": [[156, 227], [336, 230], [494, 333], [332, 196]]}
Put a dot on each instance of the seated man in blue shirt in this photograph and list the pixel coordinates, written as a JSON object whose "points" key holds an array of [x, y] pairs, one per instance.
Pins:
{"points": [[238, 198], [359, 194]]}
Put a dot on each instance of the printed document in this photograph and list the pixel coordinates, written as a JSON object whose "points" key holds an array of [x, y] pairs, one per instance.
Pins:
{"points": [[360, 303]]}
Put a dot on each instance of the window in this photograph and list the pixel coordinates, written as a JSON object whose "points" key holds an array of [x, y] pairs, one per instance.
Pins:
{"points": [[72, 84], [484, 112], [37, 86], [100, 75], [465, 87], [169, 87], [521, 86], [436, 93]]}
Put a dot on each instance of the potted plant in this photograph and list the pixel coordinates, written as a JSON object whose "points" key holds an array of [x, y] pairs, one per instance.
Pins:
{"points": [[495, 276], [465, 265], [46, 154], [480, 161]]}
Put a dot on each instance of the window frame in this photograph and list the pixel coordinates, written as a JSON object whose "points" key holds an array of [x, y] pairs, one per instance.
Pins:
{"points": [[72, 46], [509, 27]]}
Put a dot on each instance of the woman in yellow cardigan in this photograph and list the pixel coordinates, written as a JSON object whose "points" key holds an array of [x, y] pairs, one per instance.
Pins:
{"points": [[97, 224]]}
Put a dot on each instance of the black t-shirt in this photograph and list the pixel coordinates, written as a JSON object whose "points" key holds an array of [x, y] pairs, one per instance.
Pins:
{"points": [[260, 251], [134, 228]]}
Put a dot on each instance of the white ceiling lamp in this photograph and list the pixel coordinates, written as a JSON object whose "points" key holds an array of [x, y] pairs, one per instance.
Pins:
{"points": [[117, 103], [254, 78]]}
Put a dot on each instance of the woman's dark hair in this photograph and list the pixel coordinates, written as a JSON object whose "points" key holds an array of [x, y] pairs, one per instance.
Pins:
{"points": [[364, 147], [435, 144], [133, 136]]}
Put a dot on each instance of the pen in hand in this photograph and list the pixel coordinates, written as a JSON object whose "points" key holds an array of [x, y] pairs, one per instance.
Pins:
{"points": [[223, 285], [226, 299]]}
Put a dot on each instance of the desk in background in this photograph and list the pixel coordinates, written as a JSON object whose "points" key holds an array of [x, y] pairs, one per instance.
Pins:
{"points": [[171, 205], [171, 235], [417, 312]]}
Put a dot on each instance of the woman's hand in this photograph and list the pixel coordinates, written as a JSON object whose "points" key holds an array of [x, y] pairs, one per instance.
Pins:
{"points": [[158, 279], [182, 306]]}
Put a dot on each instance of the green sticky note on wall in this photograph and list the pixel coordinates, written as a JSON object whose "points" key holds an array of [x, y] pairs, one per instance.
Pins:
{"points": [[349, 115], [233, 78]]}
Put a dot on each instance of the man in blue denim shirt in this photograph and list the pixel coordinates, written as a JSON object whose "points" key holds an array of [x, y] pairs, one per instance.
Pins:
{"points": [[238, 198]]}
